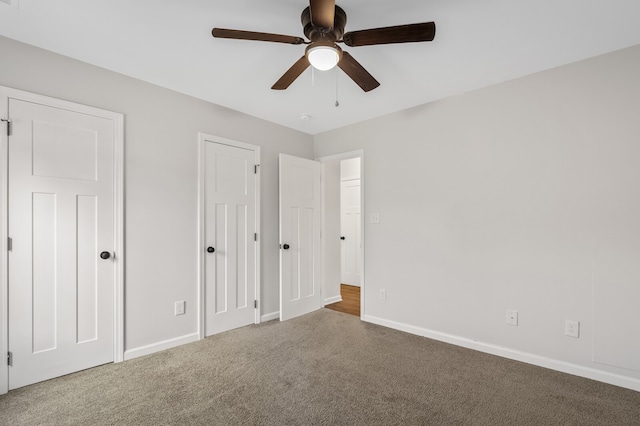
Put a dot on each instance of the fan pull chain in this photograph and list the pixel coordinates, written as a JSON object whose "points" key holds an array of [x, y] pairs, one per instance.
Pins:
{"points": [[337, 75], [313, 76]]}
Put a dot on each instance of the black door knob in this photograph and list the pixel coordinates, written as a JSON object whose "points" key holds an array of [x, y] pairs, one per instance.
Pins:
{"points": [[285, 246], [210, 249], [342, 238], [105, 255]]}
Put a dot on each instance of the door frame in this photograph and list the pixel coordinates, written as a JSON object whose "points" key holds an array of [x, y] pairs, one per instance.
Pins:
{"points": [[202, 139], [338, 157], [7, 93]]}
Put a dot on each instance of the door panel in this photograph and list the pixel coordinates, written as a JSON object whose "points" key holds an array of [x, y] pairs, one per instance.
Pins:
{"points": [[44, 273], [87, 268], [300, 254], [63, 151], [350, 224], [61, 215], [230, 225]]}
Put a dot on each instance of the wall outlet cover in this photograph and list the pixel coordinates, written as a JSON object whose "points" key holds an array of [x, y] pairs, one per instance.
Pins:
{"points": [[572, 328], [512, 317]]}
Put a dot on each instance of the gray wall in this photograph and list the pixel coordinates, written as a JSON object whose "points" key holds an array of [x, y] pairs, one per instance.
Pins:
{"points": [[522, 196], [161, 166]]}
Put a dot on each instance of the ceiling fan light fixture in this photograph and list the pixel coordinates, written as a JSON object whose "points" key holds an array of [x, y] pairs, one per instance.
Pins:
{"points": [[324, 57]]}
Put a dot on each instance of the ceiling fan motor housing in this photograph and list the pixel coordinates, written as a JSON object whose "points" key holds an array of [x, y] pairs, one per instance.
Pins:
{"points": [[318, 34]]}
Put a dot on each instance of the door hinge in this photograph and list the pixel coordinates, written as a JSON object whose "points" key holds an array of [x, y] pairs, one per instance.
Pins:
{"points": [[255, 237], [10, 359], [255, 304], [255, 169], [9, 244], [8, 126]]}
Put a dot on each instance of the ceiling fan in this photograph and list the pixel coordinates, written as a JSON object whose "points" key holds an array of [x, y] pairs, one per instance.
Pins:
{"points": [[323, 24]]}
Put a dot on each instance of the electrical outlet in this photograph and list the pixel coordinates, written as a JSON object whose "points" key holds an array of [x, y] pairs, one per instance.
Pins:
{"points": [[383, 294], [572, 328], [375, 217], [179, 308], [512, 317]]}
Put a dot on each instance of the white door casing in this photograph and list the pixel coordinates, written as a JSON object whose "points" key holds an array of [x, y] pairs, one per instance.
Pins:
{"points": [[300, 245], [350, 220], [64, 209], [229, 224]]}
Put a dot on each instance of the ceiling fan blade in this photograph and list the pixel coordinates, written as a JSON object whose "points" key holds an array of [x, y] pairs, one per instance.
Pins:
{"points": [[291, 74], [322, 12], [353, 69], [425, 31], [251, 35]]}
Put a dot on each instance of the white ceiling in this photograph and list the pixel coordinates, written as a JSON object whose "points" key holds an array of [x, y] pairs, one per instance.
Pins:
{"points": [[169, 43]]}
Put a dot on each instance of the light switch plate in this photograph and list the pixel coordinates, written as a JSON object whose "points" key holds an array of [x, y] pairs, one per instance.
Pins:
{"points": [[180, 308]]}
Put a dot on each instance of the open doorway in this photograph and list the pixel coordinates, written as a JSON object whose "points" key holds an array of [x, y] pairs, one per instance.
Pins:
{"points": [[343, 245]]}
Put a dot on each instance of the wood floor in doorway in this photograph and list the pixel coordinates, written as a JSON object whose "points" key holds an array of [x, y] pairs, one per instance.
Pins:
{"points": [[350, 300]]}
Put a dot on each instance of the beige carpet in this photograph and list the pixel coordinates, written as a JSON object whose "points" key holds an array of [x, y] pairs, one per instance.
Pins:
{"points": [[326, 368]]}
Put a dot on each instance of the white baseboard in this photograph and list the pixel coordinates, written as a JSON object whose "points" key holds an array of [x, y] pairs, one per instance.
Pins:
{"points": [[270, 317], [553, 364], [160, 346], [334, 299]]}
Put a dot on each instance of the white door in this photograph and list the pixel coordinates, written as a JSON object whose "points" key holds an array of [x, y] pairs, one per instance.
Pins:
{"points": [[229, 237], [61, 222], [300, 248], [351, 238]]}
